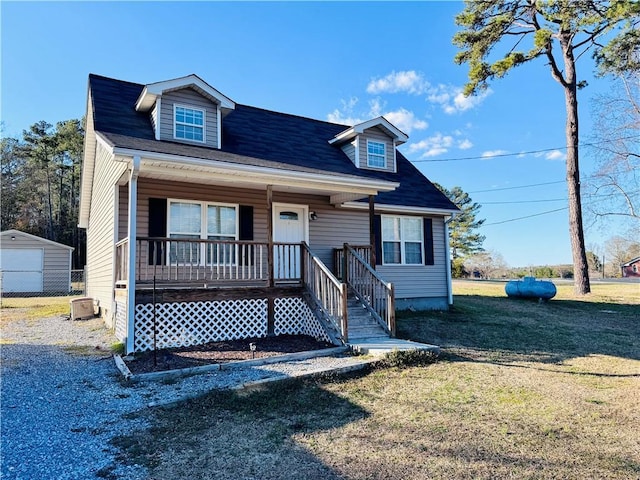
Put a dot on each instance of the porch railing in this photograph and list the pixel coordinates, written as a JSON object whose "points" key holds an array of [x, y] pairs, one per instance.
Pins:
{"points": [[189, 261], [375, 294], [338, 257], [328, 292]]}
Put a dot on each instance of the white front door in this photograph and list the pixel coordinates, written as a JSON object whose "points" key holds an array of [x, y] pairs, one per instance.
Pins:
{"points": [[289, 230]]}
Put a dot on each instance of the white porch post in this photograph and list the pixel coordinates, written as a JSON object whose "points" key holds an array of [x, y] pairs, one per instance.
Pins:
{"points": [[447, 259], [131, 254]]}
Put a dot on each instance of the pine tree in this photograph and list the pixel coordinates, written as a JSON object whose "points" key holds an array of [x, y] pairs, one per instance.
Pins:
{"points": [[559, 32]]}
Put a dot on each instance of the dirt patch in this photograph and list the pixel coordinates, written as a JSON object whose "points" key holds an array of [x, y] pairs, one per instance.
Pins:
{"points": [[222, 352]]}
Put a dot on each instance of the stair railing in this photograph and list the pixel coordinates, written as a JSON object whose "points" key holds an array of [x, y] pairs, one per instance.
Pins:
{"points": [[375, 294], [326, 290]]}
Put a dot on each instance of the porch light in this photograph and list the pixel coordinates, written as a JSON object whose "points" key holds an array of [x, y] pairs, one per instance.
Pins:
{"points": [[313, 216]]}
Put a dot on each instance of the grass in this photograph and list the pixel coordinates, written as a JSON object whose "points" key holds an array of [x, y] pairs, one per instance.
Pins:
{"points": [[522, 390], [33, 308]]}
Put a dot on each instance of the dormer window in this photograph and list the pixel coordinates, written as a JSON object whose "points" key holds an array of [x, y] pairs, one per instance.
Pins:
{"points": [[376, 157], [188, 123]]}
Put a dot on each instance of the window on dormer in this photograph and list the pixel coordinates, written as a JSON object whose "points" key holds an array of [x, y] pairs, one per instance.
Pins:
{"points": [[188, 123], [376, 154]]}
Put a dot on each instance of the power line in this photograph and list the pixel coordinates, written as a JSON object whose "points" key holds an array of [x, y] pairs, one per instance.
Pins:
{"points": [[585, 197], [536, 214], [525, 201], [527, 216], [530, 152], [519, 186]]}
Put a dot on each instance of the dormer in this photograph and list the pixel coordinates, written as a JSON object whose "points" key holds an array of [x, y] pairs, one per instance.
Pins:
{"points": [[372, 144], [186, 110]]}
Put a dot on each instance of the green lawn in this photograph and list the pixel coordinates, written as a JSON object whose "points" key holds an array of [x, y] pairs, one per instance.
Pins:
{"points": [[32, 308], [522, 390]]}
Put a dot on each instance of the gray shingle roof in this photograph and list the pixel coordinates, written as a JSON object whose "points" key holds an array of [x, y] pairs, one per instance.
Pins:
{"points": [[261, 137]]}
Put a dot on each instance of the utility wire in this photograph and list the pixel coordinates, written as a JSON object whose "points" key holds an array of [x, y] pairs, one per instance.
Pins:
{"points": [[519, 186], [530, 152], [535, 214], [527, 216], [585, 197], [524, 201]]}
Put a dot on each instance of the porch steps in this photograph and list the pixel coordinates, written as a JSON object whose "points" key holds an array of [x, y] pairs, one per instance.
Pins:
{"points": [[366, 335], [361, 324]]}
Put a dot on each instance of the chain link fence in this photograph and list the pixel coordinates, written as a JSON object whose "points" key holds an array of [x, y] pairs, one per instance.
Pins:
{"points": [[49, 283]]}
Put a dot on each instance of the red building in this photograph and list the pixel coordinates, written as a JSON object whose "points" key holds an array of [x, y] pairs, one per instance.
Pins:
{"points": [[631, 268]]}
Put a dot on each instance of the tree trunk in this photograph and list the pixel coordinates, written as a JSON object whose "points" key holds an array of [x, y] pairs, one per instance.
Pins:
{"points": [[576, 233]]}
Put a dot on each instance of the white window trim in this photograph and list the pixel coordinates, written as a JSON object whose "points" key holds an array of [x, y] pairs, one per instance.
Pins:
{"points": [[402, 241], [384, 155], [204, 123], [203, 219]]}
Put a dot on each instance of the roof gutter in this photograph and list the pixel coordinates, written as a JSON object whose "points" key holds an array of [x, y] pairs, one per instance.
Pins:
{"points": [[381, 207]]}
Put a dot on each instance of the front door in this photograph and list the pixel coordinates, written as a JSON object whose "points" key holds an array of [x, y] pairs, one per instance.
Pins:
{"points": [[289, 230]]}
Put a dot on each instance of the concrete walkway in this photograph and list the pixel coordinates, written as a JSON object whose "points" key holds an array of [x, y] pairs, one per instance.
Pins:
{"points": [[381, 346]]}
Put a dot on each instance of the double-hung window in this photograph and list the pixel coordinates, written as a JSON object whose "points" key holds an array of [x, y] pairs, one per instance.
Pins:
{"points": [[402, 240], [202, 221], [376, 154], [188, 123]]}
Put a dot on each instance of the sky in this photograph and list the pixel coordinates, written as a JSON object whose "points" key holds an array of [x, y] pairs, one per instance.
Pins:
{"points": [[335, 61]]}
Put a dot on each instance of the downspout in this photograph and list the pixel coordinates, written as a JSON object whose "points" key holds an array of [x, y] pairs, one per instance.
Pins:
{"points": [[447, 255], [131, 266]]}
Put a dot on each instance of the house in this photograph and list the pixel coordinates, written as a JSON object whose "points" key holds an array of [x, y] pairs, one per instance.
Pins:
{"points": [[33, 265], [214, 220], [631, 269]]}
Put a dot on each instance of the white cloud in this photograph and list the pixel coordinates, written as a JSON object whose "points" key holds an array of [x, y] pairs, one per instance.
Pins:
{"points": [[405, 120], [465, 144], [555, 155], [432, 146], [402, 118], [405, 81], [493, 153], [344, 115], [452, 100]]}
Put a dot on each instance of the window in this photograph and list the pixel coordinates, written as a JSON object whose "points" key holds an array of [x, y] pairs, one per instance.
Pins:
{"points": [[376, 154], [288, 216], [195, 220], [402, 240], [188, 123]]}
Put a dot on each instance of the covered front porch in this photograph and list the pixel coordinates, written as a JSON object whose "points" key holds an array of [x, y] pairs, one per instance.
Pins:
{"points": [[205, 254], [188, 292]]}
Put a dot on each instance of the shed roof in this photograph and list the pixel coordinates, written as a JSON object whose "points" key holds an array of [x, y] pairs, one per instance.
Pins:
{"points": [[9, 233]]}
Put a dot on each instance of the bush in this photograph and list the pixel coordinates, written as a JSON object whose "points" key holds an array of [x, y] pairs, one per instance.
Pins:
{"points": [[457, 268], [408, 358]]}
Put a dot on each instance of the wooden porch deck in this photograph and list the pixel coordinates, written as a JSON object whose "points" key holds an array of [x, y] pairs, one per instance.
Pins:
{"points": [[195, 286]]}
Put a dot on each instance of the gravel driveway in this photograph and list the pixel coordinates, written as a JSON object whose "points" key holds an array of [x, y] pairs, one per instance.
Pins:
{"points": [[62, 401], [62, 398]]}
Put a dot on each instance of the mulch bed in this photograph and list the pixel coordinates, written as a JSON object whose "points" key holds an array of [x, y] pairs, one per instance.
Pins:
{"points": [[222, 352]]}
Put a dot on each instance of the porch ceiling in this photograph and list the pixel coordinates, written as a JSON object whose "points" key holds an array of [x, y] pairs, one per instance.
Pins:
{"points": [[340, 189]]}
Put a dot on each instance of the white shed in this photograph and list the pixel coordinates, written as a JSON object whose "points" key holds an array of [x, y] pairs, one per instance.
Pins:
{"points": [[30, 264]]}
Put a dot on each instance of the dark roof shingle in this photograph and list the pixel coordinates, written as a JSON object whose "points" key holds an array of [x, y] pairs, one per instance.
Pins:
{"points": [[289, 140]]}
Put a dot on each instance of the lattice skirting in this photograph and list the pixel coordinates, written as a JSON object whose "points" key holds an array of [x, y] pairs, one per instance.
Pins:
{"points": [[183, 324], [294, 317], [121, 320]]}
